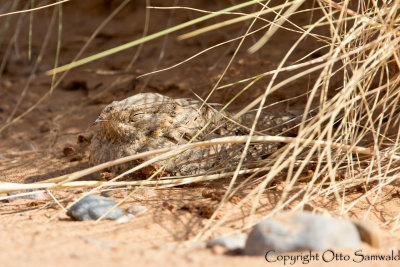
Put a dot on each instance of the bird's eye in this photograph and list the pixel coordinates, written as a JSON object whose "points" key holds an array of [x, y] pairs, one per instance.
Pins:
{"points": [[108, 108], [135, 116]]}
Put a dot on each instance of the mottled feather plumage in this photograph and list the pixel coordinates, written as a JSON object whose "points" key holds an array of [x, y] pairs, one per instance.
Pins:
{"points": [[151, 121]]}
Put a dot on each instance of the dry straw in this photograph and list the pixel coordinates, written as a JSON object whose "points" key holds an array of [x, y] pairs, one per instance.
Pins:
{"points": [[355, 126]]}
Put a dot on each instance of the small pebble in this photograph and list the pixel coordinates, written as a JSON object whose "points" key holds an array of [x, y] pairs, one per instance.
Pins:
{"points": [[218, 250], [26, 194], [229, 242], [125, 218], [136, 210], [93, 207], [303, 231]]}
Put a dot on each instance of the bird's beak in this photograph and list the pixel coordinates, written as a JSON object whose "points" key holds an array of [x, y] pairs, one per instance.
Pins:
{"points": [[99, 119]]}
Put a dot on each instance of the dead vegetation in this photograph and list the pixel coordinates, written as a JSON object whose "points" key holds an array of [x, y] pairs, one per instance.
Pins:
{"points": [[350, 143]]}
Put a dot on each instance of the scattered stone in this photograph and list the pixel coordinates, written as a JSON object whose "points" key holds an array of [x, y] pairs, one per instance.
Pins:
{"points": [[204, 210], [235, 242], [303, 231], [33, 194], [219, 250], [69, 150], [125, 218], [93, 207], [136, 210], [213, 194], [192, 208], [166, 205], [73, 155]]}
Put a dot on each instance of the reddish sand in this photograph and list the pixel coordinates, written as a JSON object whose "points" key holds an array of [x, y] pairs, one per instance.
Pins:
{"points": [[38, 232]]}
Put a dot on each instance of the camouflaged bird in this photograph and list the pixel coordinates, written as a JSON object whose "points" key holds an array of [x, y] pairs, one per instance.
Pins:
{"points": [[149, 121]]}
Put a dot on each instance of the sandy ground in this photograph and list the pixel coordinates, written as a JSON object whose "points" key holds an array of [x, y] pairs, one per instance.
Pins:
{"points": [[38, 232]]}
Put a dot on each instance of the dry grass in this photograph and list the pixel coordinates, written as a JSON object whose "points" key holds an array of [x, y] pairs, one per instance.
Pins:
{"points": [[356, 128]]}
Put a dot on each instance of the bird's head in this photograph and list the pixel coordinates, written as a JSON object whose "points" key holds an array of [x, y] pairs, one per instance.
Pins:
{"points": [[134, 117]]}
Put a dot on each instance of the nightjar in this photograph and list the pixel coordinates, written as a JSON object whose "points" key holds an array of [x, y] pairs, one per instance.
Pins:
{"points": [[149, 121]]}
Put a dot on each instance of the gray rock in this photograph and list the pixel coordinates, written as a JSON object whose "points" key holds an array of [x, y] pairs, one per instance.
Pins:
{"points": [[303, 231], [93, 207], [26, 194], [229, 242], [136, 210]]}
